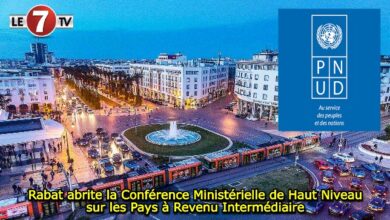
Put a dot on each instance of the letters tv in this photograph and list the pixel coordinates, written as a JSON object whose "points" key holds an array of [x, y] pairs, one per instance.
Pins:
{"points": [[329, 66]]}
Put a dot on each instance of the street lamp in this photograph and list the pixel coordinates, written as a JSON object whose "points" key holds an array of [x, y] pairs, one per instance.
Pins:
{"points": [[69, 183], [296, 157]]}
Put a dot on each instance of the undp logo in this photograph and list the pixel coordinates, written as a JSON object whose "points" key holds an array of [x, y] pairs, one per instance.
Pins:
{"points": [[329, 36], [329, 55]]}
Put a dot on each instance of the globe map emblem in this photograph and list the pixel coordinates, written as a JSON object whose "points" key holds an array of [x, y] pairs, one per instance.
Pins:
{"points": [[329, 36]]}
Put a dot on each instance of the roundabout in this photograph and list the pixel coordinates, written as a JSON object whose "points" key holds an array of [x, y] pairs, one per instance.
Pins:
{"points": [[175, 140]]}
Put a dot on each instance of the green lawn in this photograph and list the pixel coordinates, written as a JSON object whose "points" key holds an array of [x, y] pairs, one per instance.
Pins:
{"points": [[210, 142], [282, 179]]}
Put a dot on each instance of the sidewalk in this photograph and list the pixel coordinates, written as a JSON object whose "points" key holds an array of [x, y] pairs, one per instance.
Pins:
{"points": [[82, 171]]}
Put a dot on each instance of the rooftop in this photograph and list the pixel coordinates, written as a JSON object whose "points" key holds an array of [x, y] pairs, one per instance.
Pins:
{"points": [[23, 73], [22, 125], [35, 129]]}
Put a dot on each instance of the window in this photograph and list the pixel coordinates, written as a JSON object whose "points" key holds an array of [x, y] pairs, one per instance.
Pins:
{"points": [[276, 98], [277, 78], [276, 88], [195, 93], [255, 86], [46, 97], [256, 76], [195, 79], [188, 86], [188, 79], [196, 86], [254, 95], [188, 93], [266, 77], [265, 87], [265, 97]]}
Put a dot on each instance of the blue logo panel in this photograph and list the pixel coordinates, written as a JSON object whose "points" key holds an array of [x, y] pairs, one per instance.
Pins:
{"points": [[329, 77]]}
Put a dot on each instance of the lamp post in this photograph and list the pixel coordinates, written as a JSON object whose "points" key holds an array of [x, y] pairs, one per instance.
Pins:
{"points": [[68, 179], [135, 119]]}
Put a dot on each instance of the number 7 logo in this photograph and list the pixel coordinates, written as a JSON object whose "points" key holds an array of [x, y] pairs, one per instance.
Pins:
{"points": [[41, 20]]}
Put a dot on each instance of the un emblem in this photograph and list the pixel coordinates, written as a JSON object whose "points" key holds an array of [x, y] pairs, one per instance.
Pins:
{"points": [[329, 36]]}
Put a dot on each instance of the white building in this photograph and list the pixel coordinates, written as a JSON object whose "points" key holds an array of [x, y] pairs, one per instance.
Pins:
{"points": [[385, 84], [256, 86], [174, 81], [28, 90], [114, 68]]}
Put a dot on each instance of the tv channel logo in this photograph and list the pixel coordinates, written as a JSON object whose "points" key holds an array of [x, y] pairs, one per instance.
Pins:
{"points": [[41, 21], [329, 56]]}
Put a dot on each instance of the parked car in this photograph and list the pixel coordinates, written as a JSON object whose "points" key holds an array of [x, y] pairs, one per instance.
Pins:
{"points": [[105, 147], [106, 164], [114, 135], [327, 176], [99, 131], [93, 153], [379, 191], [88, 136], [345, 157], [136, 155], [118, 141], [82, 142], [103, 135], [378, 177], [358, 172], [117, 159], [371, 167], [131, 165], [90, 111], [314, 207], [335, 161], [106, 140], [356, 183], [377, 204], [324, 186], [124, 148], [339, 208], [361, 215], [94, 143], [342, 170], [321, 164]]}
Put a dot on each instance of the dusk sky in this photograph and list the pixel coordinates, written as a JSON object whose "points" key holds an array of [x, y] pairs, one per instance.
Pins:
{"points": [[144, 28]]}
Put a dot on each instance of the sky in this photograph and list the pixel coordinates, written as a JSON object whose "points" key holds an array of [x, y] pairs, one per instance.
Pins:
{"points": [[134, 29]]}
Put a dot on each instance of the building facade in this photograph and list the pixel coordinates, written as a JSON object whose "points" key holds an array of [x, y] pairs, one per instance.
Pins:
{"points": [[28, 90], [114, 68], [39, 54], [256, 86], [385, 85], [174, 81]]}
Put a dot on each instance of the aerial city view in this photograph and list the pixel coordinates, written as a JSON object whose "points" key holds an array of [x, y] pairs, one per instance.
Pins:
{"points": [[187, 100]]}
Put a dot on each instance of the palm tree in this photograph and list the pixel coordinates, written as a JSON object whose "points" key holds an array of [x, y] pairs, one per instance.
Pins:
{"points": [[4, 101], [137, 78]]}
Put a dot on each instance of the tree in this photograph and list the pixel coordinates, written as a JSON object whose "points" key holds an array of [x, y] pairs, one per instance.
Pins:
{"points": [[387, 130], [4, 101]]}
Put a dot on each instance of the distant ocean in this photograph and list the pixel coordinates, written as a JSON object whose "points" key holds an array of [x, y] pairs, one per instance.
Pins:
{"points": [[239, 41], [233, 41]]}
